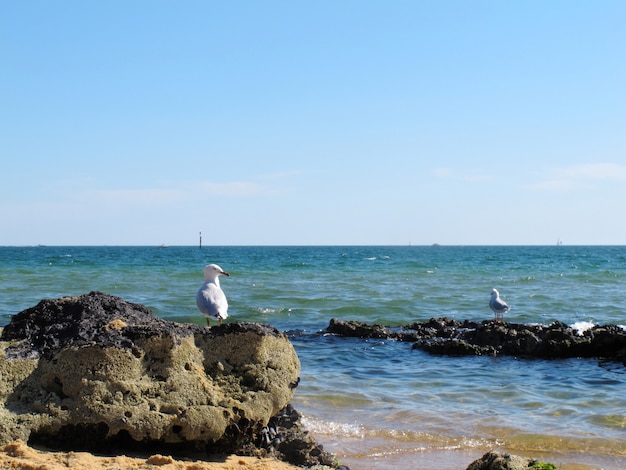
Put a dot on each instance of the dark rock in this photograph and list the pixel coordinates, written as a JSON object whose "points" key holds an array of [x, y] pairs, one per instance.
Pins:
{"points": [[453, 347], [500, 461], [450, 337], [85, 320], [295, 445], [285, 438], [357, 329]]}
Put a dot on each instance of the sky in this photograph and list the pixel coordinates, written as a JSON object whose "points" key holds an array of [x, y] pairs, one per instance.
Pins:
{"points": [[322, 122]]}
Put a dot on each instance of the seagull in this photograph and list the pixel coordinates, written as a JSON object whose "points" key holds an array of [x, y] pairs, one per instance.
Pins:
{"points": [[498, 305], [211, 300]]}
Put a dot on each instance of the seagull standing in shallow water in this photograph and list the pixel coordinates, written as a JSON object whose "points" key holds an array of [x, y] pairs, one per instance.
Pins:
{"points": [[211, 300], [498, 305]]}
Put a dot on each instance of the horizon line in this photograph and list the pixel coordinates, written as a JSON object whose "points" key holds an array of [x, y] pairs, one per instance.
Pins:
{"points": [[435, 245]]}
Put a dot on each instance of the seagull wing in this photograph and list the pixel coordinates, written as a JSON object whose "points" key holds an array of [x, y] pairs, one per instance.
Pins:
{"points": [[498, 305], [211, 301]]}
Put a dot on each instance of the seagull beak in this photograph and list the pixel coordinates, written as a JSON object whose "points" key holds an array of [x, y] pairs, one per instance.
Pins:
{"points": [[225, 273]]}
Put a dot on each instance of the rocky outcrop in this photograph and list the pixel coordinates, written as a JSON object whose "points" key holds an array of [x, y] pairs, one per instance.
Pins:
{"points": [[451, 337], [94, 371]]}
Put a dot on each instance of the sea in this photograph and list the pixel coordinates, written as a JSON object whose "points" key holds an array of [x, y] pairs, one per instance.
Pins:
{"points": [[379, 404]]}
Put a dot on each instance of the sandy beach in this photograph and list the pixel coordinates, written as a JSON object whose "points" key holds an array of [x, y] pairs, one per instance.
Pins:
{"points": [[19, 456]]}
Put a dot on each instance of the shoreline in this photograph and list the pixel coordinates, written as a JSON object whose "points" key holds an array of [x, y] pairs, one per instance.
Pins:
{"points": [[425, 458], [17, 455]]}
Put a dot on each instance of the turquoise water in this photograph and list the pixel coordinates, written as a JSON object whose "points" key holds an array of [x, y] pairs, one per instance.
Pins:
{"points": [[379, 404]]}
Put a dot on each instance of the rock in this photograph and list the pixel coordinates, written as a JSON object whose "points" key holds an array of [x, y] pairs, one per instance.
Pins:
{"points": [[94, 371], [357, 329], [285, 439], [500, 461], [450, 337], [453, 347]]}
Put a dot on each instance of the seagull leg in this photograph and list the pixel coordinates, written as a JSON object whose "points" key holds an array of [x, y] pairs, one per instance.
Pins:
{"points": [[208, 322], [219, 321]]}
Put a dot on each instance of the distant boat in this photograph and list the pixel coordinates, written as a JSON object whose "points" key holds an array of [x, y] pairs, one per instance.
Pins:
{"points": [[559, 242], [162, 245]]}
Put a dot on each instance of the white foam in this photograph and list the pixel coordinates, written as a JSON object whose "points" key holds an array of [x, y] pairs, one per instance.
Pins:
{"points": [[268, 311], [344, 430], [582, 326]]}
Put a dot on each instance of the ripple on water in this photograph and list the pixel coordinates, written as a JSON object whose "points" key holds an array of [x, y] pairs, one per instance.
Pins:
{"points": [[614, 421]]}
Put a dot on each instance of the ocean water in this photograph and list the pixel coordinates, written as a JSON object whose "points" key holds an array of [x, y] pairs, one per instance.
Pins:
{"points": [[380, 404]]}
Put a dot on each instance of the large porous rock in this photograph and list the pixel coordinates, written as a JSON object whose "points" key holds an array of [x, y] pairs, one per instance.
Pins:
{"points": [[88, 371]]}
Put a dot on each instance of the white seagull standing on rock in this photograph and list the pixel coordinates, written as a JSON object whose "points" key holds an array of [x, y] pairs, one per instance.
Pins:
{"points": [[211, 300], [498, 305]]}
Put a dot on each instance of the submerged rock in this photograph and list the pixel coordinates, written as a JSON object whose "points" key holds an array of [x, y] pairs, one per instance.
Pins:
{"points": [[95, 371], [500, 461]]}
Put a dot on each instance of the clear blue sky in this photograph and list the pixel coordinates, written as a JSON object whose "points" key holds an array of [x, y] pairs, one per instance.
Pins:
{"points": [[323, 122]]}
